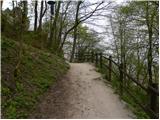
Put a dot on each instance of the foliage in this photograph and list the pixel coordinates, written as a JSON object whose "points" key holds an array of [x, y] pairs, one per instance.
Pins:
{"points": [[128, 85], [134, 45]]}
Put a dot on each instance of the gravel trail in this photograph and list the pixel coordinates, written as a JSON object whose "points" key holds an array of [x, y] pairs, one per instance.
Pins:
{"points": [[81, 94]]}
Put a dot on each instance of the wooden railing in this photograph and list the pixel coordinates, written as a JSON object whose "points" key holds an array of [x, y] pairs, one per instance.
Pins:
{"points": [[107, 64]]}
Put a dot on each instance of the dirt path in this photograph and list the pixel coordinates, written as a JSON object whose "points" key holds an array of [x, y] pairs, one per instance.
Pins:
{"points": [[81, 94]]}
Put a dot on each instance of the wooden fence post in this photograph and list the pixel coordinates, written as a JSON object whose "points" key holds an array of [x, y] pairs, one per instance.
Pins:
{"points": [[92, 56], [88, 56], [121, 79], [76, 56], [80, 57], [154, 99], [100, 60], [96, 59], [110, 68]]}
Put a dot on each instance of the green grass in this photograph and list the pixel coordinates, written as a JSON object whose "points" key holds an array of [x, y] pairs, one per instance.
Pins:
{"points": [[137, 110], [136, 91], [38, 71]]}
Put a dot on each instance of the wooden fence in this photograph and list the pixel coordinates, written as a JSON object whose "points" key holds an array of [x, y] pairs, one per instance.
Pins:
{"points": [[107, 63]]}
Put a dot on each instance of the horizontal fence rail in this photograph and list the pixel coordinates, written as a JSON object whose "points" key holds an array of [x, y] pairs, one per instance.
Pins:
{"points": [[108, 63]]}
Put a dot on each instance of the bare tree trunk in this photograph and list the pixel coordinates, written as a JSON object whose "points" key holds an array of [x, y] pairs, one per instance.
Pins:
{"points": [[74, 45], [149, 21], [75, 32], [60, 33], [63, 18], [112, 28], [121, 41], [1, 5], [138, 60], [40, 17], [13, 6], [42, 12], [36, 15], [53, 32], [55, 46]]}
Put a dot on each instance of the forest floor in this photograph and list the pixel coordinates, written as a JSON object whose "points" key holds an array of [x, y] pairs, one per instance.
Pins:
{"points": [[81, 93]]}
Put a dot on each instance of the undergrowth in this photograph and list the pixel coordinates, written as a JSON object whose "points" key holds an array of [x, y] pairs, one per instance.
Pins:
{"points": [[135, 90], [38, 71]]}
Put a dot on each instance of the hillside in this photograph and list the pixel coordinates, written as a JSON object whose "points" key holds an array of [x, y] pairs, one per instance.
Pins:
{"points": [[37, 72]]}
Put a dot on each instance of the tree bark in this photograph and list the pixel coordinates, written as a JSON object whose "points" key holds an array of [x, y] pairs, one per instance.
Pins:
{"points": [[149, 22], [53, 31], [42, 12], [63, 18], [55, 46], [36, 15], [75, 32], [1, 5], [40, 17]]}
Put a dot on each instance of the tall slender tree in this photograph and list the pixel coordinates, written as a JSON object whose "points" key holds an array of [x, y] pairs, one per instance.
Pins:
{"points": [[35, 15], [75, 31], [42, 13]]}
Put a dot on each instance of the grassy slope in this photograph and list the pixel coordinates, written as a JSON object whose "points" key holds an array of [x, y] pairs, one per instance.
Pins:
{"points": [[37, 72]]}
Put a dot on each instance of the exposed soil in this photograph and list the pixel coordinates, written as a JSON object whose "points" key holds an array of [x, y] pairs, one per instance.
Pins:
{"points": [[81, 94]]}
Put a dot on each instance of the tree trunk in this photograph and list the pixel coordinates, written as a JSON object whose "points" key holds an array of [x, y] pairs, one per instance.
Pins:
{"points": [[36, 15], [22, 30], [112, 29], [60, 33], [63, 18], [75, 32], [55, 46], [150, 33], [40, 17], [49, 43], [121, 41], [1, 5], [42, 12], [53, 30], [138, 62]]}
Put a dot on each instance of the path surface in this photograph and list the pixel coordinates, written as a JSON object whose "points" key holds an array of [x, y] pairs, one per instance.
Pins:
{"points": [[81, 94]]}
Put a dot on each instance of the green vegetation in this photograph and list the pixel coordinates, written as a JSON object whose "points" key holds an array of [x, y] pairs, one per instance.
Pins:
{"points": [[39, 70], [136, 91], [32, 60], [134, 107]]}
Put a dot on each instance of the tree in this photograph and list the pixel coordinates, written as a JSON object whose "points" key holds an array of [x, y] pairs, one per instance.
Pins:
{"points": [[42, 13], [62, 23], [36, 15], [1, 4], [75, 31], [53, 32], [137, 33], [82, 19], [150, 15], [22, 13]]}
